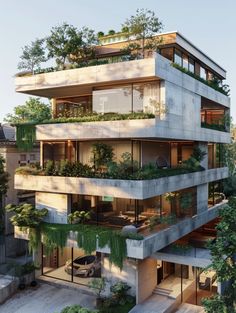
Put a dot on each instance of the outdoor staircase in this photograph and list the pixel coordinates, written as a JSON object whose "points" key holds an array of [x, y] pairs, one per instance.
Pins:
{"points": [[163, 292]]}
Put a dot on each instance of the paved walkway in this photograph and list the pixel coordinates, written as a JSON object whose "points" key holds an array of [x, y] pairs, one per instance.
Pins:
{"points": [[45, 299], [154, 304], [189, 308]]}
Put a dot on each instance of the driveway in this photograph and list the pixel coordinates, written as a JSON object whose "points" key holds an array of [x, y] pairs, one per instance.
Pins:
{"points": [[45, 299]]}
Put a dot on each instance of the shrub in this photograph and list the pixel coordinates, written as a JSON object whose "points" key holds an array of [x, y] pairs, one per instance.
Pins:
{"points": [[26, 215], [49, 168], [98, 285], [78, 217], [77, 309], [119, 292]]}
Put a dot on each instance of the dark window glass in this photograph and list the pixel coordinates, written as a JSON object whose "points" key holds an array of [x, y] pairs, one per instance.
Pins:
{"points": [[178, 57], [191, 65]]}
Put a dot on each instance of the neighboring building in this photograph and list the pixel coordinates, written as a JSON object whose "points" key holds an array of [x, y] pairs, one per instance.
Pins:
{"points": [[14, 158], [188, 113]]}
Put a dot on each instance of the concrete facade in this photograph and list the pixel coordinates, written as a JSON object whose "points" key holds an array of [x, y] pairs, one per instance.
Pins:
{"points": [[181, 98]]}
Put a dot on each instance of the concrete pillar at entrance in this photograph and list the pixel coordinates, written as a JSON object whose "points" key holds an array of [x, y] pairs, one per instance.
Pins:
{"points": [[93, 201], [146, 279], [37, 259]]}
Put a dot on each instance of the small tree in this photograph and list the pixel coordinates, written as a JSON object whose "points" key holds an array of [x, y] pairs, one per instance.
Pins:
{"points": [[85, 49], [4, 178], [223, 252], [141, 28], [98, 285], [32, 55], [32, 111], [62, 42]]}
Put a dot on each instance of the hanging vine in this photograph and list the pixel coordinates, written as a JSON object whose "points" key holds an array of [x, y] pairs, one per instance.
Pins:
{"points": [[25, 136], [88, 238]]}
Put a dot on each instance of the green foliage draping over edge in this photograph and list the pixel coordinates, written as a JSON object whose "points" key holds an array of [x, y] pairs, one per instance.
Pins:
{"points": [[25, 137]]}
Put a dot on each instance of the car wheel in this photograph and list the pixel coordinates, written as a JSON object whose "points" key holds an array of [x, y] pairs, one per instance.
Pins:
{"points": [[91, 272]]}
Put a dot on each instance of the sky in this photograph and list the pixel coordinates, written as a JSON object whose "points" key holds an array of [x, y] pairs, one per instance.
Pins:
{"points": [[210, 25]]}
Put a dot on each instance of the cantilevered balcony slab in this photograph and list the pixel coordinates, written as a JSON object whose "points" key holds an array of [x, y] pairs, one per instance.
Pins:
{"points": [[169, 128], [141, 249], [67, 82], [129, 189]]}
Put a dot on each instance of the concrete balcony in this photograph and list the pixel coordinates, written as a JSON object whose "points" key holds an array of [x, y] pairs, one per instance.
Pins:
{"points": [[65, 82], [129, 189], [171, 127], [151, 243]]}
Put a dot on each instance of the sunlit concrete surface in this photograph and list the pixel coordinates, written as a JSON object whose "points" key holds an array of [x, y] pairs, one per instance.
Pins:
{"points": [[45, 299]]}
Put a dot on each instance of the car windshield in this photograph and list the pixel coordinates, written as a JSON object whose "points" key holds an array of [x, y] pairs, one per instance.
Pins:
{"points": [[85, 260]]}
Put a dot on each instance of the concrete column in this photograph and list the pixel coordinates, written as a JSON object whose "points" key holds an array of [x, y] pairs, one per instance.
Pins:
{"points": [[93, 201], [146, 279], [202, 198], [41, 153], [37, 259], [53, 106]]}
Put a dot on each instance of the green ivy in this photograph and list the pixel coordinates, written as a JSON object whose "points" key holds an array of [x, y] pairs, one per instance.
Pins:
{"points": [[25, 136]]}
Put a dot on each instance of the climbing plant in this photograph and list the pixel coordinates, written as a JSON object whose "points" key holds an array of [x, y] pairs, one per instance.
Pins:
{"points": [[25, 136]]}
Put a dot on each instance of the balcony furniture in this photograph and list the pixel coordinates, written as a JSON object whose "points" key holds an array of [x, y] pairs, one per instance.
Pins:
{"points": [[149, 212], [206, 280], [120, 220], [102, 212]]}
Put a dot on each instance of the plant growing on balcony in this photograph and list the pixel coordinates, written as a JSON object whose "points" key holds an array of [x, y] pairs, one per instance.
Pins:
{"points": [[215, 84], [185, 200], [102, 155], [32, 55], [79, 217], [142, 27], [26, 215], [62, 42], [84, 51]]}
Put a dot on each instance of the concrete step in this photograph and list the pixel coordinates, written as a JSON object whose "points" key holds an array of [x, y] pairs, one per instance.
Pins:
{"points": [[162, 291]]}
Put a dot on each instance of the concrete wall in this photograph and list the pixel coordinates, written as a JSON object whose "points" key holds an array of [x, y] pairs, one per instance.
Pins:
{"points": [[113, 274], [131, 189], [58, 206], [146, 279]]}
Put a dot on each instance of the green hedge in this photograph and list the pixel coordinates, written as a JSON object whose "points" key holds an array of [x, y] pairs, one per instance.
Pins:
{"points": [[213, 84]]}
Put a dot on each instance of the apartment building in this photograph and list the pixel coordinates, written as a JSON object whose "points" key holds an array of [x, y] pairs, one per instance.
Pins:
{"points": [[182, 112], [14, 158]]}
